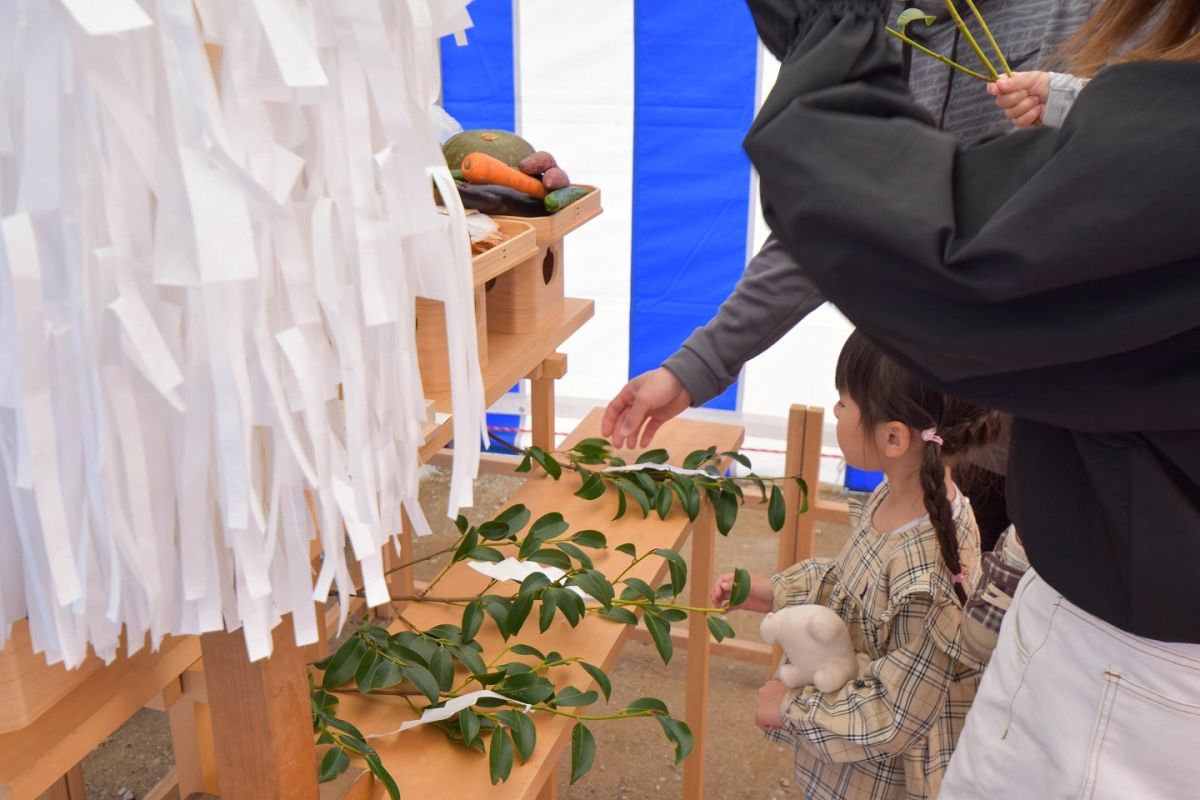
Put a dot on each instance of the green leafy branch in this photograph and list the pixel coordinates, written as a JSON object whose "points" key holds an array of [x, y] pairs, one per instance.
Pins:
{"points": [[657, 488], [908, 16]]}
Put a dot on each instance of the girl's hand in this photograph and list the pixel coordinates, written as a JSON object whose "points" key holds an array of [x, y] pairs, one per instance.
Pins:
{"points": [[1022, 97], [767, 713], [761, 597]]}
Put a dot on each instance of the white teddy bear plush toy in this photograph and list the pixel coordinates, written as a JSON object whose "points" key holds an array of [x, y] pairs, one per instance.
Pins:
{"points": [[817, 644]]}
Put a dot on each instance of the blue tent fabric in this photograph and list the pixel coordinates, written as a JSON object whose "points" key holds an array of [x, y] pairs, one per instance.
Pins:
{"points": [[695, 74], [479, 90]]}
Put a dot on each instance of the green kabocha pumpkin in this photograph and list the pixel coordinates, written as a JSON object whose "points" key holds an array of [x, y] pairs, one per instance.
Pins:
{"points": [[508, 147]]}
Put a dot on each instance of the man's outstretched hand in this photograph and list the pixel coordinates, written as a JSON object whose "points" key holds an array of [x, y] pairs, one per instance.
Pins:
{"points": [[643, 406]]}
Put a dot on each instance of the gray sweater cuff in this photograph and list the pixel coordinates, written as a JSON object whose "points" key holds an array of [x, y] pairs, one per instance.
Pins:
{"points": [[1064, 89]]}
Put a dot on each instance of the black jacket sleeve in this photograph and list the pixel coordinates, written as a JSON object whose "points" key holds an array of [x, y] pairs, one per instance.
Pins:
{"points": [[1052, 273]]}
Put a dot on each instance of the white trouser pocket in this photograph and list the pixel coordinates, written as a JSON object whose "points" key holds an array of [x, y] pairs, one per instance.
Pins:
{"points": [[1141, 743]]}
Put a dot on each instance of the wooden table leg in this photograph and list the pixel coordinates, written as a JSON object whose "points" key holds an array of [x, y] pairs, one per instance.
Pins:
{"points": [[70, 787], [698, 651], [261, 718], [541, 390]]}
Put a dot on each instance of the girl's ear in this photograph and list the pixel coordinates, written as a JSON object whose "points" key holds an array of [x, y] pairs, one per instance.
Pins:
{"points": [[894, 439]]}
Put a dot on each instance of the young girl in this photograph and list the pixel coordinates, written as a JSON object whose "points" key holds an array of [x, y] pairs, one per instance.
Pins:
{"points": [[899, 584]]}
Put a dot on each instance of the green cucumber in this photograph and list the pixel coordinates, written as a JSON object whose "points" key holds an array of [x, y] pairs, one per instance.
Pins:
{"points": [[561, 198]]}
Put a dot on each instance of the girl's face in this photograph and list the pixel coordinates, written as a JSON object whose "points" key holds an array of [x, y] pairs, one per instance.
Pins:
{"points": [[858, 445]]}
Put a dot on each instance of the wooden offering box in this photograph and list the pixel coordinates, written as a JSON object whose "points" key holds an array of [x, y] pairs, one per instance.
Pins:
{"points": [[520, 245], [28, 685], [524, 298]]}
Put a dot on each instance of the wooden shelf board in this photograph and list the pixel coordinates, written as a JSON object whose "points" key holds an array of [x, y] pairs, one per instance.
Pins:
{"points": [[422, 761], [512, 356]]}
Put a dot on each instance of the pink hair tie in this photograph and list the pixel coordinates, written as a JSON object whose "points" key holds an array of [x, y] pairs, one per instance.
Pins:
{"points": [[958, 578], [930, 435]]}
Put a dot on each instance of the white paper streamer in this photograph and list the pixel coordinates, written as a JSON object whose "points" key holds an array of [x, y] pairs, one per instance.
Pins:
{"points": [[215, 215], [447, 711]]}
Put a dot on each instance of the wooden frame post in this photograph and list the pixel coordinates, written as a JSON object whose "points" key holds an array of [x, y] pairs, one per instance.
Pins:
{"points": [[261, 718], [699, 651], [541, 391]]}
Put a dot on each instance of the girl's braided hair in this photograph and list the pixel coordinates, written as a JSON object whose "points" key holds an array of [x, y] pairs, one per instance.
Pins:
{"points": [[884, 392]]}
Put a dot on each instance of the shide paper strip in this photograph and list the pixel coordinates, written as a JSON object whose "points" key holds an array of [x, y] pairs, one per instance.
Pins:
{"points": [[213, 216]]}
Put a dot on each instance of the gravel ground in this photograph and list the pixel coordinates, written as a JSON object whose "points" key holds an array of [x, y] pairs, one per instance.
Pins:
{"points": [[633, 759]]}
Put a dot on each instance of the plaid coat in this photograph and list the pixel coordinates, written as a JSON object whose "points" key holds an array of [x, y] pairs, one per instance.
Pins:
{"points": [[890, 733]]}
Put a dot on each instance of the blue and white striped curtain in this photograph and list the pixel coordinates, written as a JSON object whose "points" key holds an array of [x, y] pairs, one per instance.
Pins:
{"points": [[650, 101]]}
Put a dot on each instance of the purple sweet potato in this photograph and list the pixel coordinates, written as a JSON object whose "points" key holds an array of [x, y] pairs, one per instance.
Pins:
{"points": [[537, 164], [555, 178]]}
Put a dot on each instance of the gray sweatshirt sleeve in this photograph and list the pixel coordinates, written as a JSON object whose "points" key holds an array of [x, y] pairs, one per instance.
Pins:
{"points": [[1064, 89], [773, 294]]}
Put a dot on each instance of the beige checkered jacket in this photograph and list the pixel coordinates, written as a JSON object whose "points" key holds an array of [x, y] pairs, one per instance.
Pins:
{"points": [[890, 733]]}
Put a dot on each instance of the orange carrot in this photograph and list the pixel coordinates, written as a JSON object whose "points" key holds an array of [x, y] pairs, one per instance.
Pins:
{"points": [[482, 168]]}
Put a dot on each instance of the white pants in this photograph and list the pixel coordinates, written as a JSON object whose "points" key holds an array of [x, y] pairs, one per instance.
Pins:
{"points": [[1071, 707]]}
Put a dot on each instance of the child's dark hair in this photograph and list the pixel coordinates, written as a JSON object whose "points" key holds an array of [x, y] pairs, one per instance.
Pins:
{"points": [[884, 392]]}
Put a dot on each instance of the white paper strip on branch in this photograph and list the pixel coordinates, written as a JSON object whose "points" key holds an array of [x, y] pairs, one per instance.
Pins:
{"points": [[214, 221]]}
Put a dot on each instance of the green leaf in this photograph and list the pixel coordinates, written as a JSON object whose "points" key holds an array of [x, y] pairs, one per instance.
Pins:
{"points": [[500, 756], [695, 459], [600, 677], [660, 632], [546, 614], [497, 608], [741, 587], [525, 465], [468, 723], [803, 494], [679, 733], [633, 490], [628, 548], [364, 670], [525, 687], [645, 482], [570, 697], [739, 457], [548, 526], [532, 585], [471, 659], [594, 441], [595, 584], [385, 675], [678, 569], [622, 615], [441, 666], [472, 618], [648, 704], [382, 775], [621, 504], [776, 510], [470, 541], [571, 605], [726, 510], [574, 552], [524, 732], [344, 662], [719, 628], [662, 501], [590, 538], [593, 487], [911, 15], [518, 612], [333, 763], [486, 554], [640, 587], [528, 650], [546, 461], [495, 531], [553, 558], [672, 614], [658, 456], [462, 523], [583, 751], [515, 517], [424, 681]]}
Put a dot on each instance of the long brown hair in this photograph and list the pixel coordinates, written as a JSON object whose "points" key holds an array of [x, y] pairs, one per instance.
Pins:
{"points": [[1133, 30], [884, 391]]}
